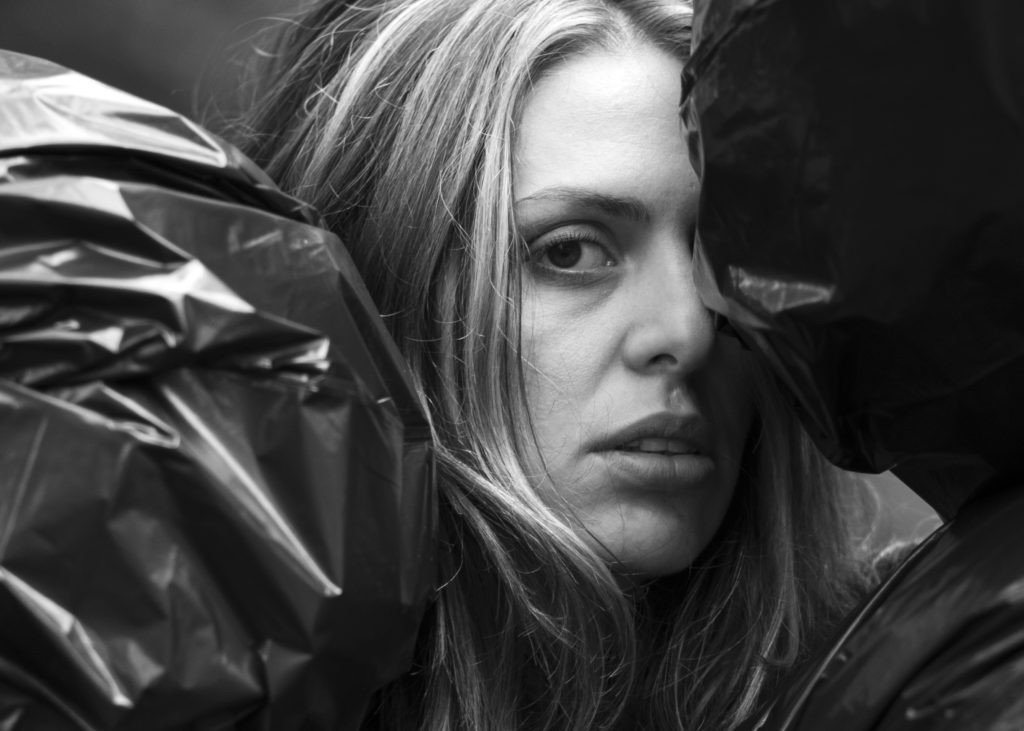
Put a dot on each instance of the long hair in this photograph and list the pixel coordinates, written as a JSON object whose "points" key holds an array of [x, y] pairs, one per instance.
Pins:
{"points": [[397, 119]]}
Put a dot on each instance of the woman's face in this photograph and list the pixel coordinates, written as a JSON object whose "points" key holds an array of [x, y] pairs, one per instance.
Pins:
{"points": [[639, 412]]}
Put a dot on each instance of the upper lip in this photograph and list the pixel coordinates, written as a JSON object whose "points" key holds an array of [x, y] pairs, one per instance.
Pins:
{"points": [[691, 429]]}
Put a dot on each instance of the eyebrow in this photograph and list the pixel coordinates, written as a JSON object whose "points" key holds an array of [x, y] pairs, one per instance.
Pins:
{"points": [[620, 206]]}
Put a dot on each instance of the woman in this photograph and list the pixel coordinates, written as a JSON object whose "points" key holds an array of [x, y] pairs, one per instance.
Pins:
{"points": [[634, 533]]}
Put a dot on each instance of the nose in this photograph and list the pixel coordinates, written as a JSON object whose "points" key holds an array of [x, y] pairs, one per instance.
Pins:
{"points": [[670, 331]]}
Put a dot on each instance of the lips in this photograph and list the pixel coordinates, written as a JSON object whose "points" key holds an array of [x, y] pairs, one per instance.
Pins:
{"points": [[659, 434], [663, 452], [656, 445]]}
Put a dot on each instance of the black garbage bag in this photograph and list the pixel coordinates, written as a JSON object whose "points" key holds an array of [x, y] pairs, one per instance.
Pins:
{"points": [[862, 228], [862, 219], [216, 484]]}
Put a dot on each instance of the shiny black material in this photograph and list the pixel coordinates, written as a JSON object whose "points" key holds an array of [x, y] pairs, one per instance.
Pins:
{"points": [[939, 647], [861, 222], [216, 484], [862, 226]]}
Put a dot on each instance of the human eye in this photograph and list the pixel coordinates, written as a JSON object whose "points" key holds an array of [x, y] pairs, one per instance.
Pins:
{"points": [[573, 254]]}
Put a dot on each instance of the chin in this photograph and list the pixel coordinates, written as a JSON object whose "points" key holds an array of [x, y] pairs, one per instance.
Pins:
{"points": [[650, 549]]}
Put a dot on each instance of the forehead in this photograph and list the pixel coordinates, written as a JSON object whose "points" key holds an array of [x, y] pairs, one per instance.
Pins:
{"points": [[604, 118]]}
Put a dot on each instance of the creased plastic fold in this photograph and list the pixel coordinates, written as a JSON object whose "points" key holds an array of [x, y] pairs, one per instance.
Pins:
{"points": [[216, 485], [862, 226], [861, 222]]}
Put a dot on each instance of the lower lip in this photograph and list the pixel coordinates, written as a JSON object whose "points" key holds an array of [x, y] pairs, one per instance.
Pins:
{"points": [[657, 471]]}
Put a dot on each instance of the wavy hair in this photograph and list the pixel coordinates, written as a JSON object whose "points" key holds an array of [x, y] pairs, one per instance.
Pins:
{"points": [[397, 119]]}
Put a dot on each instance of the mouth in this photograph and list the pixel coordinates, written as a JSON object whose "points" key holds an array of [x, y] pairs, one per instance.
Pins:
{"points": [[662, 434], [667, 447]]}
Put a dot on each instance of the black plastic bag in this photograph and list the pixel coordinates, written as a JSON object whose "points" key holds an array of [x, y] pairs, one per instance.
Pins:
{"points": [[861, 222], [217, 503], [862, 227]]}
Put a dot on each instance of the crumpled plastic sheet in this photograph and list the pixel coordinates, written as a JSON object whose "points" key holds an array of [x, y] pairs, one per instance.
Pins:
{"points": [[940, 647], [862, 211], [216, 483], [861, 223]]}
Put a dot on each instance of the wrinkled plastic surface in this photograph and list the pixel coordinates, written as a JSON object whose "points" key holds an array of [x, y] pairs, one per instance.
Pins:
{"points": [[216, 496], [862, 220], [939, 647], [862, 224]]}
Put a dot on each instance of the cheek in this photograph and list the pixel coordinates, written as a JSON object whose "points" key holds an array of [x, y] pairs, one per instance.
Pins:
{"points": [[566, 336], [561, 369], [547, 356], [546, 363]]}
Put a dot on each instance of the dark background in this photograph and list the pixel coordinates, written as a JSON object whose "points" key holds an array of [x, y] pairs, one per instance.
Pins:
{"points": [[185, 54], [191, 56]]}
